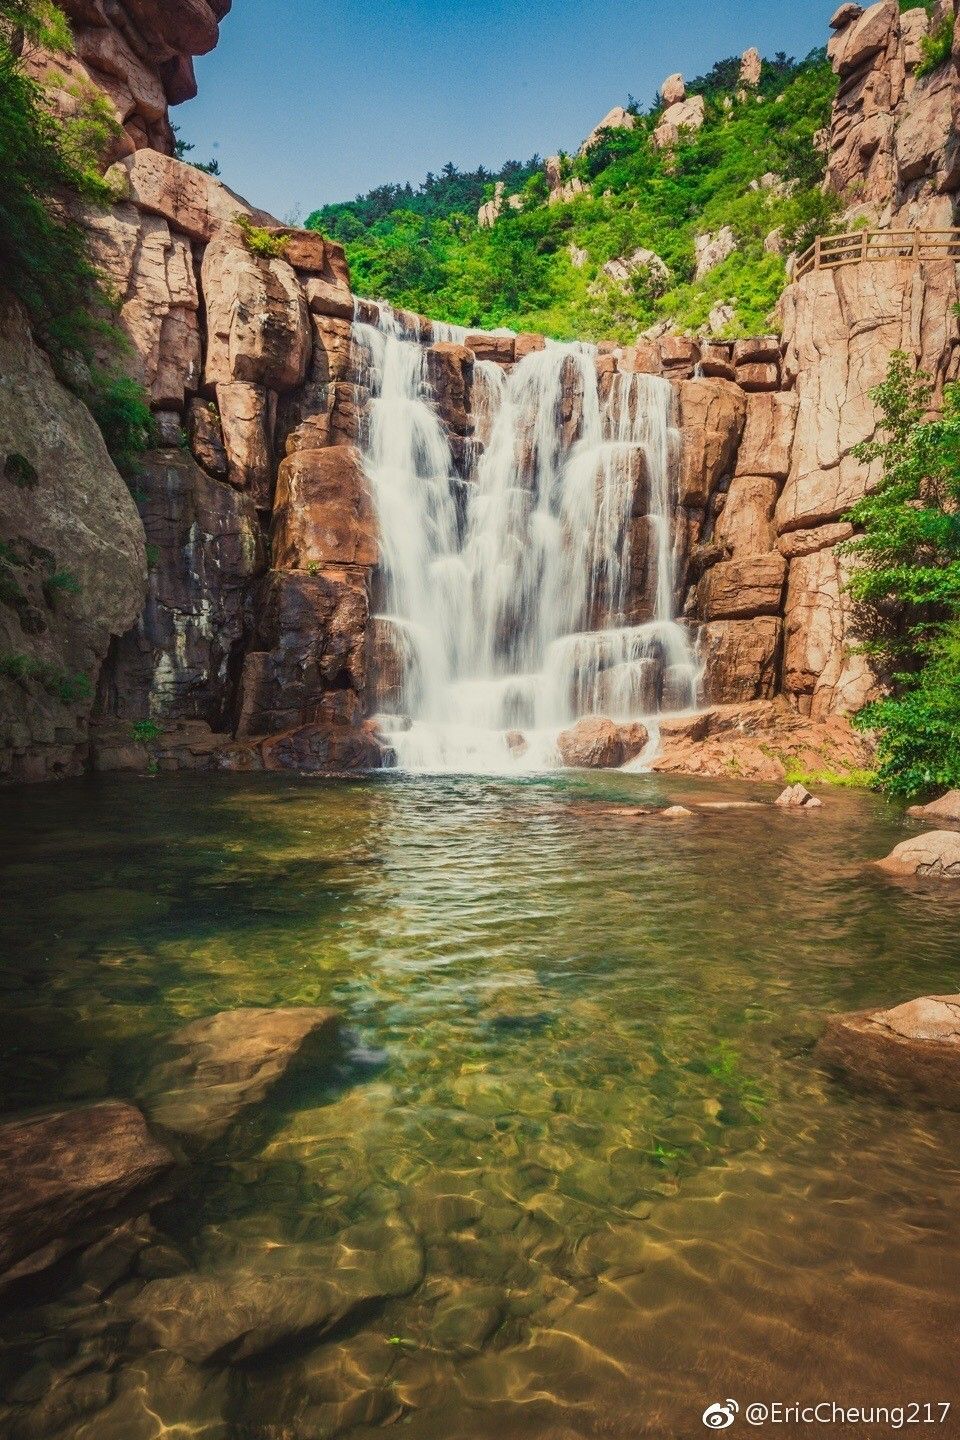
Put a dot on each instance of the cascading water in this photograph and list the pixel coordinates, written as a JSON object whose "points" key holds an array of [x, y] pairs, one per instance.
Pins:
{"points": [[542, 587]]}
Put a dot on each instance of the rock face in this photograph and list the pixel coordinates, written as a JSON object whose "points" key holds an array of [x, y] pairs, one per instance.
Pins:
{"points": [[66, 1174], [139, 55], [757, 740], [262, 538], [615, 119], [681, 117], [712, 250], [909, 1052], [624, 267], [893, 150], [73, 565], [206, 551], [934, 856], [946, 810], [229, 1062], [596, 743], [797, 797]]}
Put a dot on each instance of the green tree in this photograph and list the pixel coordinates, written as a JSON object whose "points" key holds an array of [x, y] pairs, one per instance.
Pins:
{"points": [[906, 583]]}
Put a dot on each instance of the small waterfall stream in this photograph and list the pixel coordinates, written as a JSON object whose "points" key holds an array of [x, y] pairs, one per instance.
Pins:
{"points": [[540, 588]]}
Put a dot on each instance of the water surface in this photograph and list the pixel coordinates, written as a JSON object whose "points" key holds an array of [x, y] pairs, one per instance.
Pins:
{"points": [[583, 1084]]}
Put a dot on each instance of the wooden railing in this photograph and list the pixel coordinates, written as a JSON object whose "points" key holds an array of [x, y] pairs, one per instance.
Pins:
{"points": [[828, 252]]}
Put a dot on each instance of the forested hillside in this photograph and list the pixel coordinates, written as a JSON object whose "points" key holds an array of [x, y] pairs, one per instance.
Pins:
{"points": [[755, 166]]}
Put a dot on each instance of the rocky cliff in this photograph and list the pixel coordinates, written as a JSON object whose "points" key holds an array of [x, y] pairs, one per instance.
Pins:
{"points": [[136, 53], [259, 527]]}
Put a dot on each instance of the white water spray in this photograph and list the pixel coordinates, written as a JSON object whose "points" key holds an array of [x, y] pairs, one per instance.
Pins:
{"points": [[541, 587]]}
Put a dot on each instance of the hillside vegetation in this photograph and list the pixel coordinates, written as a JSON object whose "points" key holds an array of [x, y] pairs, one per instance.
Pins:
{"points": [[754, 166]]}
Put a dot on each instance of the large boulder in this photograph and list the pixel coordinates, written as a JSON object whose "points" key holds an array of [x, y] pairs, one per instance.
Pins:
{"points": [[739, 589], [64, 511], [909, 1052], [449, 370], [247, 414], [740, 658], [712, 414], [258, 325], [323, 513], [64, 1175], [945, 811], [745, 524], [934, 856], [682, 118], [307, 661], [625, 268], [767, 441], [615, 119], [596, 743], [138, 56], [713, 249], [225, 1063], [196, 204], [150, 268]]}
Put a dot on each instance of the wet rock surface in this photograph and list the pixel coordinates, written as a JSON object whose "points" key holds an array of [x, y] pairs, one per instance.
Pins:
{"points": [[276, 1296], [945, 810], [933, 856], [600, 744], [229, 1062], [911, 1051], [63, 1173]]}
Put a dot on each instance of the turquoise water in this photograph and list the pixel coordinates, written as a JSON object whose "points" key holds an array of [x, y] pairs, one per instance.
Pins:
{"points": [[582, 1087]]}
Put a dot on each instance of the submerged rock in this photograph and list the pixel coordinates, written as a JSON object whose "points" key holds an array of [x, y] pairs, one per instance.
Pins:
{"points": [[229, 1062], [935, 855], [63, 1173], [912, 1050], [596, 743], [287, 1291], [797, 797], [945, 810]]}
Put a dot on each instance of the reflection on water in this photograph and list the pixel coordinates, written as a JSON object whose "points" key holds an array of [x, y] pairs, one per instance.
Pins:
{"points": [[586, 1099]]}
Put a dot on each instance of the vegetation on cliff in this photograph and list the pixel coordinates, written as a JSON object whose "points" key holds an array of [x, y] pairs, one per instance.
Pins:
{"points": [[754, 166], [907, 582], [52, 169]]}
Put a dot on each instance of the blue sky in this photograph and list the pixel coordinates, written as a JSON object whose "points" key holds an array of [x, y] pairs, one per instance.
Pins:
{"points": [[308, 101]]}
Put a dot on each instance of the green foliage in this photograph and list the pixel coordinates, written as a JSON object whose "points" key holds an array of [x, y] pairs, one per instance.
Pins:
{"points": [[936, 47], [182, 148], [907, 582], [452, 192], [918, 729], [796, 773], [145, 730], [61, 582], [26, 668], [260, 241], [36, 21], [49, 166], [43, 256], [423, 251], [120, 408]]}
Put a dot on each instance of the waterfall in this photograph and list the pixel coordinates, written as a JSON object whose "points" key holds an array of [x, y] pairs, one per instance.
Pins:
{"points": [[539, 584]]}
